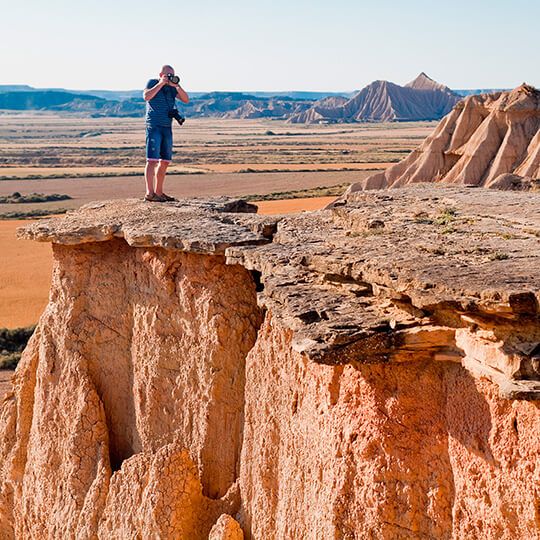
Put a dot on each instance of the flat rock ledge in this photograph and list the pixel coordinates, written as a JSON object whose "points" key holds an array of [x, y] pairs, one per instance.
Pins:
{"points": [[195, 225], [420, 273]]}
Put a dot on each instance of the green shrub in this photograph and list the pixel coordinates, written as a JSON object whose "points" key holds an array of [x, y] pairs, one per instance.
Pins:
{"points": [[9, 361], [17, 198], [12, 343], [447, 215]]}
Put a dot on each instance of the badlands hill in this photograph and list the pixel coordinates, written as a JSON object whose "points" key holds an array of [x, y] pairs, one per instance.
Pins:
{"points": [[239, 105], [205, 373], [383, 101], [214, 104], [490, 140]]}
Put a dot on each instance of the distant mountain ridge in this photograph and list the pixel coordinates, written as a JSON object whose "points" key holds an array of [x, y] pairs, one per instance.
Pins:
{"points": [[119, 95], [421, 99]]}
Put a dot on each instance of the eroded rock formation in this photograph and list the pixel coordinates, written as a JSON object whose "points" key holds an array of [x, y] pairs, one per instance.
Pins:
{"points": [[200, 372], [383, 101], [490, 140]]}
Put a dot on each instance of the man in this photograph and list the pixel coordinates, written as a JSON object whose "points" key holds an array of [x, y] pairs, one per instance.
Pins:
{"points": [[160, 98]]}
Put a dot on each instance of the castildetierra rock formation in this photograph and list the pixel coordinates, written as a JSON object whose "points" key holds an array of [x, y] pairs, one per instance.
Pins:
{"points": [[201, 371], [490, 140]]}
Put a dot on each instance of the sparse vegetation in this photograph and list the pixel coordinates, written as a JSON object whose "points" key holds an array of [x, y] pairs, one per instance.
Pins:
{"points": [[499, 257], [31, 141], [12, 343], [105, 174], [16, 198], [32, 213], [446, 216], [311, 169]]}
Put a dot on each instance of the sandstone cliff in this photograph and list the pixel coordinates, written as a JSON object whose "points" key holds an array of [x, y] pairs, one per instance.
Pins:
{"points": [[490, 140], [202, 372]]}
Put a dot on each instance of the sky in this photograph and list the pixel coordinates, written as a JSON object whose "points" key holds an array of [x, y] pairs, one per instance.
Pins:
{"points": [[241, 45]]}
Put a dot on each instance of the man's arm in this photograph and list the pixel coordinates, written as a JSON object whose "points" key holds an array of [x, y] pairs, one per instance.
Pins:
{"points": [[149, 93], [181, 94]]}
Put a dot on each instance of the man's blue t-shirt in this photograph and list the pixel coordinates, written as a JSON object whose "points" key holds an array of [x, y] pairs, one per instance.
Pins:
{"points": [[157, 109]]}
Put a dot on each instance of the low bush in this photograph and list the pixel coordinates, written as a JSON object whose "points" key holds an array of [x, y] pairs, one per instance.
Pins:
{"points": [[12, 344], [32, 213], [17, 198]]}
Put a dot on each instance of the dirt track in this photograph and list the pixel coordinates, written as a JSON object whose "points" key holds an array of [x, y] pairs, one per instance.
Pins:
{"points": [[84, 190]]}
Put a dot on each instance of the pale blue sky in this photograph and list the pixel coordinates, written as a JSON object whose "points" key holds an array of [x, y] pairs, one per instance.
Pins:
{"points": [[328, 45]]}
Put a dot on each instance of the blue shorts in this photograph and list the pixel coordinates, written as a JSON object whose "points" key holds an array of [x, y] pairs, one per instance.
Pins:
{"points": [[159, 143]]}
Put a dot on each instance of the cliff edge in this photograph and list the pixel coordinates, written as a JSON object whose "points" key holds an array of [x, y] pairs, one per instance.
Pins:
{"points": [[202, 371]]}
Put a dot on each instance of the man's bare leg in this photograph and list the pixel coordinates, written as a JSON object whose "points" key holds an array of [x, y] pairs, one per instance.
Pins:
{"points": [[160, 176], [149, 172]]}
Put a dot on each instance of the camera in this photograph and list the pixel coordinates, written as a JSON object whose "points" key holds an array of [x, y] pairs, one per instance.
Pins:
{"points": [[175, 79], [173, 113]]}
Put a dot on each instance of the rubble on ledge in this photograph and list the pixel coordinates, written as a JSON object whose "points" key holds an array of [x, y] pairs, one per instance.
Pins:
{"points": [[420, 273]]}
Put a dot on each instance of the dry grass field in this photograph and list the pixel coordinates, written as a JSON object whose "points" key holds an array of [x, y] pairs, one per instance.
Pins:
{"points": [[43, 142], [103, 158]]}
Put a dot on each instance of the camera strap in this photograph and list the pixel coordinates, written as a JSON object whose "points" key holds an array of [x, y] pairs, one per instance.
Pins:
{"points": [[171, 108]]}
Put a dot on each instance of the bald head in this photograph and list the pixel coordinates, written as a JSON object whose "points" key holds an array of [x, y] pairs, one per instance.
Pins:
{"points": [[166, 70]]}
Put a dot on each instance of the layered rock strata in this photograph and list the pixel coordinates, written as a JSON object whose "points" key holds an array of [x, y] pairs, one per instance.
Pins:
{"points": [[201, 372], [490, 140]]}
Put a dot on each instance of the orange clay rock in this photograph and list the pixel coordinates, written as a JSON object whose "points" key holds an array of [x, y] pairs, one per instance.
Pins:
{"points": [[226, 528], [490, 140], [390, 390]]}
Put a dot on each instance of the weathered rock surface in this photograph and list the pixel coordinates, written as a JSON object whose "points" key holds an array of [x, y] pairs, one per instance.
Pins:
{"points": [[490, 140], [409, 450], [367, 372]]}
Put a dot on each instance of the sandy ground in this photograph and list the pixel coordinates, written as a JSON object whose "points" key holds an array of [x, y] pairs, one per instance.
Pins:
{"points": [[25, 277], [27, 266], [290, 206]]}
